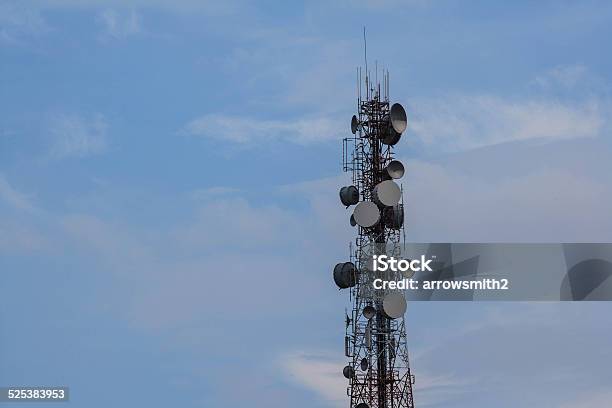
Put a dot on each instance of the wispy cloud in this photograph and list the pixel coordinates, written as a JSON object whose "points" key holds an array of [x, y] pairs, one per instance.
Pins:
{"points": [[18, 22], [18, 232], [14, 198], [247, 131], [543, 205], [435, 390], [563, 102], [75, 136], [463, 122], [209, 7], [238, 224], [594, 399], [318, 372], [197, 255], [564, 75], [505, 331], [213, 192], [118, 24], [321, 373]]}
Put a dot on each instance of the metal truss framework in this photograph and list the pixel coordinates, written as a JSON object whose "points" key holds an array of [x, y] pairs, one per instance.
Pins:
{"points": [[376, 347]]}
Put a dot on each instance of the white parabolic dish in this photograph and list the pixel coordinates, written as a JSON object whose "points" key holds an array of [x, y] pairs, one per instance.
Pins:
{"points": [[366, 214], [387, 193], [394, 305], [395, 169]]}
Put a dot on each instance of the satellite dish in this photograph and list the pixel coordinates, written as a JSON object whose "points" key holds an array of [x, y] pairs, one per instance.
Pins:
{"points": [[387, 193], [395, 169], [369, 312], [397, 124], [349, 195], [354, 124], [393, 217], [345, 275], [397, 118], [366, 214], [364, 364], [352, 221], [348, 372], [392, 138], [394, 305]]}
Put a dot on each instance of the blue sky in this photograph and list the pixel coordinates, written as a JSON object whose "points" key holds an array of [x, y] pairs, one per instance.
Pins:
{"points": [[168, 194]]}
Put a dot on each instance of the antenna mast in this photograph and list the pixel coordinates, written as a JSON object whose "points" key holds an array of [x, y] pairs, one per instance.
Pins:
{"points": [[378, 370]]}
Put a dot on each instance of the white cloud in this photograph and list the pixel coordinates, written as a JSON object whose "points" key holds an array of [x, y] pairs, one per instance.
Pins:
{"points": [[226, 253], [120, 246], [75, 136], [463, 122], [448, 123], [16, 238], [238, 225], [378, 5], [14, 198], [213, 192], [18, 21], [439, 389], [248, 131], [119, 24], [566, 76], [318, 372], [18, 218], [209, 7], [321, 373], [444, 204], [595, 399], [525, 346]]}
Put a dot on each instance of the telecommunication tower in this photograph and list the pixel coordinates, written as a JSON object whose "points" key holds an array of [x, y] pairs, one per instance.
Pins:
{"points": [[378, 370]]}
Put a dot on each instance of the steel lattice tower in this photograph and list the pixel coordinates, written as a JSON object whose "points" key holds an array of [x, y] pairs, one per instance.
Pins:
{"points": [[378, 369]]}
